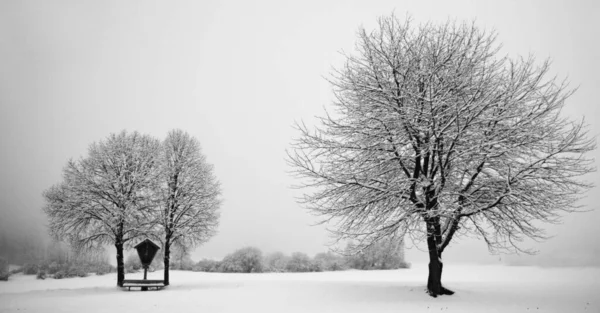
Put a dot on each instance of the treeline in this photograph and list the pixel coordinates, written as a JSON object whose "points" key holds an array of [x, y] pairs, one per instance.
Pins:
{"points": [[62, 263], [385, 254], [59, 261]]}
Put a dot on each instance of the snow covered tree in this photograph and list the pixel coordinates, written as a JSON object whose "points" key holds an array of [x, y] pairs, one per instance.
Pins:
{"points": [[436, 135], [329, 261], [188, 193], [244, 260], [180, 258], [104, 198], [276, 262], [299, 262]]}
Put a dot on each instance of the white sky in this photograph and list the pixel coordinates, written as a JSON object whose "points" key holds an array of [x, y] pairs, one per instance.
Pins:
{"points": [[236, 75]]}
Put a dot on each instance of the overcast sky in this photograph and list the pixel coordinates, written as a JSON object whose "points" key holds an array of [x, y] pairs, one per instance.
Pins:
{"points": [[236, 75]]}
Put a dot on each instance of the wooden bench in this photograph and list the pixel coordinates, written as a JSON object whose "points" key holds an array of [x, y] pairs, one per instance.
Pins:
{"points": [[143, 283]]}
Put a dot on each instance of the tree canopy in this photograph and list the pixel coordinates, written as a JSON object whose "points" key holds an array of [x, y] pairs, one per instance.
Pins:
{"points": [[103, 198], [188, 193], [436, 135], [131, 186]]}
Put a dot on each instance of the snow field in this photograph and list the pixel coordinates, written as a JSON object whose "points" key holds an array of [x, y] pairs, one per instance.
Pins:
{"points": [[479, 288]]}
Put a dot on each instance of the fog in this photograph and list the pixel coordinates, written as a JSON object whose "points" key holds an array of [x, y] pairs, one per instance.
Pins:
{"points": [[236, 75]]}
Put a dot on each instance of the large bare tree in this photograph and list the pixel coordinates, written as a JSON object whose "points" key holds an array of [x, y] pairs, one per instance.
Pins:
{"points": [[104, 197], [436, 135], [189, 195]]}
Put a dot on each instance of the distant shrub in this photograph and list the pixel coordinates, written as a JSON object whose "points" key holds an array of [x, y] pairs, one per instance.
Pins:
{"points": [[386, 254], [60, 275], [75, 269], [328, 261], [245, 260], [30, 269], [104, 269], [157, 264], [404, 264], [276, 262], [71, 271], [382, 255], [78, 271], [185, 264], [133, 263], [206, 265], [4, 272], [180, 259], [53, 268], [300, 262], [41, 274]]}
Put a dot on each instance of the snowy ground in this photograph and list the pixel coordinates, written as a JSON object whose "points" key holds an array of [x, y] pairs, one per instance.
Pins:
{"points": [[479, 288]]}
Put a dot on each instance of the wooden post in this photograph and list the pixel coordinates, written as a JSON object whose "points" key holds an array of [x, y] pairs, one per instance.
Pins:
{"points": [[145, 275]]}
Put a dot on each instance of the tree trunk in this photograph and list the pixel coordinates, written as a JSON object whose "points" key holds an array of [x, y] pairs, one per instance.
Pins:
{"points": [[434, 281], [166, 260], [120, 265]]}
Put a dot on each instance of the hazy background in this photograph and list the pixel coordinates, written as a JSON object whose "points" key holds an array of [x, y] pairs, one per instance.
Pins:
{"points": [[236, 75]]}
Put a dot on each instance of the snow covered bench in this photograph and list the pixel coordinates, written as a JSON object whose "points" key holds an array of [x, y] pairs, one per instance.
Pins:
{"points": [[143, 283]]}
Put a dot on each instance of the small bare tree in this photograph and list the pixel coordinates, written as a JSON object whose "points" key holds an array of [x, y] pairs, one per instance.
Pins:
{"points": [[435, 135], [189, 195], [104, 197]]}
